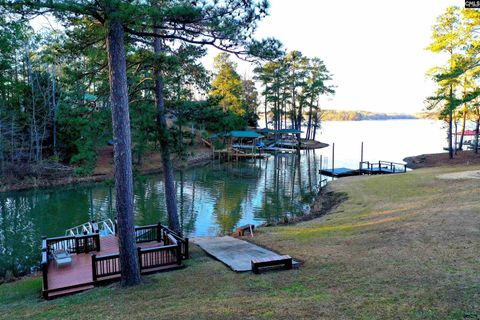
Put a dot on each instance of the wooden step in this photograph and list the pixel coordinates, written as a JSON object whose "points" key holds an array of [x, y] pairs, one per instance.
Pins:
{"points": [[61, 293]]}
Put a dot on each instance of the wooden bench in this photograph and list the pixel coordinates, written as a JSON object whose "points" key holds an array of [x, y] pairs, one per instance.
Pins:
{"points": [[241, 230], [271, 261]]}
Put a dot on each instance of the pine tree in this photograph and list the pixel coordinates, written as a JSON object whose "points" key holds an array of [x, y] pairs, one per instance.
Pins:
{"points": [[227, 85], [448, 37], [226, 25]]}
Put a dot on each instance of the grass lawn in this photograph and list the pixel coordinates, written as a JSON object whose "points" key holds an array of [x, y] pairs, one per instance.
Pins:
{"points": [[400, 247]]}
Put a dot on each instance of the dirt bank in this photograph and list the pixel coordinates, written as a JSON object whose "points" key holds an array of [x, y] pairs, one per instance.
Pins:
{"points": [[104, 170], [475, 174], [313, 144], [462, 158]]}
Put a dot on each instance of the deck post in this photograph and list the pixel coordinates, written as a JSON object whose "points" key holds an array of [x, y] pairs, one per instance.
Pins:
{"points": [[361, 153], [139, 250], [77, 245], [44, 265], [186, 249], [94, 267], [45, 276], [179, 253], [333, 158], [159, 232], [97, 241]]}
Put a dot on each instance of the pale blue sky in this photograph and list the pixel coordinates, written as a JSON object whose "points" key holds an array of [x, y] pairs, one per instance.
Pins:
{"points": [[374, 48]]}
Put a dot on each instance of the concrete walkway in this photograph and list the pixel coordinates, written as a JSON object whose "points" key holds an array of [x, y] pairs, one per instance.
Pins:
{"points": [[235, 253]]}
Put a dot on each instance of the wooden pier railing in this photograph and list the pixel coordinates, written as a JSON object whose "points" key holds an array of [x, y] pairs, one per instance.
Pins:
{"points": [[171, 250], [382, 167], [105, 266], [148, 233], [323, 183], [151, 258], [74, 244], [44, 264], [183, 242], [108, 266], [159, 232]]}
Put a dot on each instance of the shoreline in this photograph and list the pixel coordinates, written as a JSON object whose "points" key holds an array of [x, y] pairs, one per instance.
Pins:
{"points": [[104, 169], [431, 160], [99, 177]]}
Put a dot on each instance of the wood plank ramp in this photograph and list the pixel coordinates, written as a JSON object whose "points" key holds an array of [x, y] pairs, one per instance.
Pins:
{"points": [[235, 253]]}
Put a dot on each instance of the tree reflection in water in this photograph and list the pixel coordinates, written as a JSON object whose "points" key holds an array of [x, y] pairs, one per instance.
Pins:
{"points": [[212, 199]]}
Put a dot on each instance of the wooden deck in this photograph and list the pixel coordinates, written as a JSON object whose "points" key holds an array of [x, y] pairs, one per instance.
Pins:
{"points": [[80, 271], [235, 253], [96, 260]]}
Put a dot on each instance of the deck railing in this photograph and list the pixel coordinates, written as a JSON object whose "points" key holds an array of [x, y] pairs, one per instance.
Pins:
{"points": [[169, 254], [105, 266], [44, 264], [150, 258], [382, 166], [323, 183], [148, 233], [108, 266], [393, 166], [74, 244], [183, 242]]}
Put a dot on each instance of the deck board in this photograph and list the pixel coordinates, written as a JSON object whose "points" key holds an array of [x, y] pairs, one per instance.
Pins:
{"points": [[80, 270], [235, 253]]}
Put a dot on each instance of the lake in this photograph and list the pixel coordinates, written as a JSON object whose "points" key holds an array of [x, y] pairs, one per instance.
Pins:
{"points": [[215, 198]]}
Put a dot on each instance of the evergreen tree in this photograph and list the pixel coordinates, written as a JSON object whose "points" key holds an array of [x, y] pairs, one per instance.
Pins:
{"points": [[448, 37], [227, 25], [227, 86]]}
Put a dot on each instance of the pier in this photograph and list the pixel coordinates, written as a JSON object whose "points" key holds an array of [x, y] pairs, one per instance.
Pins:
{"points": [[91, 259], [366, 168], [235, 253]]}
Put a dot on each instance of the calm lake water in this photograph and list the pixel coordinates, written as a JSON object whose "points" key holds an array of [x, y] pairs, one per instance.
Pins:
{"points": [[215, 198]]}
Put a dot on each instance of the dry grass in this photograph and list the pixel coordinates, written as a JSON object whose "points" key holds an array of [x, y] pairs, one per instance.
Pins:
{"points": [[400, 247]]}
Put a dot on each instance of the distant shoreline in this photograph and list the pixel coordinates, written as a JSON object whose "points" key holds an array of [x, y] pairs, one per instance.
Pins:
{"points": [[349, 115], [386, 119]]}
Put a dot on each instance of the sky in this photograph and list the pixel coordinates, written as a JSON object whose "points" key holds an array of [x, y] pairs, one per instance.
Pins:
{"points": [[375, 49]]}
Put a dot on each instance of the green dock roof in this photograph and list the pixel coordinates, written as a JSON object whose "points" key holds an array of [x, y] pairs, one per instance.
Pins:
{"points": [[245, 134], [289, 131], [284, 131], [265, 130]]}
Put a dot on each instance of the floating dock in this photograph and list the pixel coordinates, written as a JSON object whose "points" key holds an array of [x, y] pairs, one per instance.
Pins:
{"points": [[235, 154], [235, 253], [339, 172], [366, 167]]}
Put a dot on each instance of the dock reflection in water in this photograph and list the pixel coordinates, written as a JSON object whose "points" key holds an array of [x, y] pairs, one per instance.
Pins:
{"points": [[213, 200]]}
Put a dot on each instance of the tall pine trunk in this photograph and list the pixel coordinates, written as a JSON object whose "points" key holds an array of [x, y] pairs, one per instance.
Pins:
{"points": [[315, 122], [464, 120], [170, 192], [130, 272], [266, 104], [309, 125], [477, 130], [450, 120]]}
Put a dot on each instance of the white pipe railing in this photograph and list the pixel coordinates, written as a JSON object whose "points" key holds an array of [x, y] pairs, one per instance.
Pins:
{"points": [[105, 227]]}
